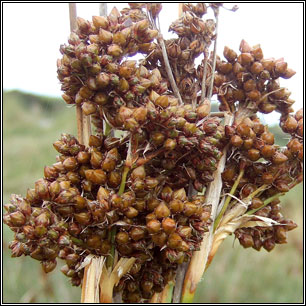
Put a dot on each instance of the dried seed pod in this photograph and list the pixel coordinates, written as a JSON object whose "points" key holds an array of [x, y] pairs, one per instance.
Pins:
{"points": [[153, 226], [162, 211]]}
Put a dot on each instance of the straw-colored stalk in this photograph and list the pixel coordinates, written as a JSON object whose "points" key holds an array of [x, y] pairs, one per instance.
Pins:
{"points": [[199, 258], [110, 278]]}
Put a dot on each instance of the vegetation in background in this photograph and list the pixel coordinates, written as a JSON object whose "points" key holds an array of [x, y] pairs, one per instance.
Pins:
{"points": [[32, 122]]}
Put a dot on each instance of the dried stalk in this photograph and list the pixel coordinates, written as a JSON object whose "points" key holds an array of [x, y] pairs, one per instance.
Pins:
{"points": [[199, 259], [92, 274], [203, 86], [216, 11], [110, 278], [179, 281], [73, 26], [161, 42]]}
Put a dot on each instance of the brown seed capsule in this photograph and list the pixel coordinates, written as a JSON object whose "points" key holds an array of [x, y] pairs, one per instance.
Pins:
{"points": [[102, 80], [257, 68], [267, 178], [176, 206], [268, 151], [137, 233], [17, 219], [268, 64], [147, 286], [119, 39], [114, 50], [282, 186], [48, 265], [253, 154], [83, 218], [245, 59], [96, 158], [244, 46], [168, 225], [105, 37], [100, 98], [229, 54], [70, 163], [131, 212], [153, 226], [151, 182], [93, 242], [152, 203], [105, 247], [122, 237], [50, 173], [246, 240], [289, 224], [179, 194], [83, 157], [114, 179], [157, 138], [162, 101], [268, 138], [174, 241], [256, 203], [280, 67], [203, 110], [279, 158], [94, 141], [236, 141], [100, 22], [257, 52], [269, 244], [162, 211], [281, 234], [254, 95], [229, 173], [290, 125], [138, 173], [41, 189], [128, 199], [96, 176], [190, 209], [159, 239], [267, 108]]}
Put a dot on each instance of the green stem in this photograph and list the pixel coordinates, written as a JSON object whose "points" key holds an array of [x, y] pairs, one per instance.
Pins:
{"points": [[123, 180], [266, 202], [110, 257], [167, 296], [77, 241], [228, 199], [112, 234], [108, 129]]}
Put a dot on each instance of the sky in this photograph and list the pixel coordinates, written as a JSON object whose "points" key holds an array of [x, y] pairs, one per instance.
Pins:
{"points": [[33, 32]]}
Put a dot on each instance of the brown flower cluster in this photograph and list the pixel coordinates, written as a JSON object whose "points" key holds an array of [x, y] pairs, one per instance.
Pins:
{"points": [[72, 210], [252, 80]]}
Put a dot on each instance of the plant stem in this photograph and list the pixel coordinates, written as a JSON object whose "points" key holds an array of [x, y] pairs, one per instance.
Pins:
{"points": [[228, 199], [179, 281], [167, 64], [123, 180], [110, 257], [266, 202], [203, 86], [107, 129], [216, 11], [199, 258]]}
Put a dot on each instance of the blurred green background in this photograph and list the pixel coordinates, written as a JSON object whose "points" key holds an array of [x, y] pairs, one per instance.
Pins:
{"points": [[32, 123]]}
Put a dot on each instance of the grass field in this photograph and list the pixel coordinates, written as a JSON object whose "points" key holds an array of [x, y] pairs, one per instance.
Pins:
{"points": [[32, 123]]}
